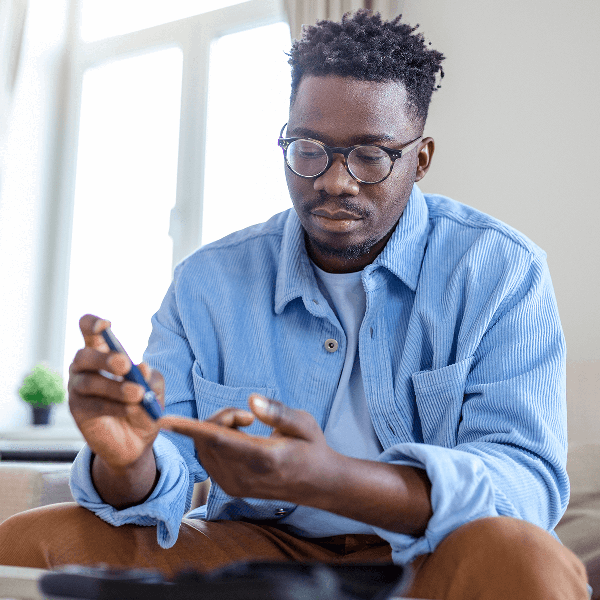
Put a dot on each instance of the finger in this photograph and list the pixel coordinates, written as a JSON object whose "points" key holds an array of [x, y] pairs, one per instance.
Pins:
{"points": [[232, 417], [155, 380], [286, 420], [91, 359], [201, 432], [94, 384], [91, 327], [224, 444], [185, 426], [205, 432], [96, 406]]}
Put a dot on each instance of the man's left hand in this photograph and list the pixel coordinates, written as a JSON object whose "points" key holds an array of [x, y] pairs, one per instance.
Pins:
{"points": [[288, 465]]}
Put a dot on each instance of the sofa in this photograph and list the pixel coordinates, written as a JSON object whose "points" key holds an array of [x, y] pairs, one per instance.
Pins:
{"points": [[28, 485]]}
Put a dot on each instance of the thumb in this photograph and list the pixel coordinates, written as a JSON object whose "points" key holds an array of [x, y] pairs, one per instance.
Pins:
{"points": [[286, 420]]}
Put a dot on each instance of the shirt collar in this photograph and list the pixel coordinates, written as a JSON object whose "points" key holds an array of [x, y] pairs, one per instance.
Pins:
{"points": [[295, 276], [402, 255]]}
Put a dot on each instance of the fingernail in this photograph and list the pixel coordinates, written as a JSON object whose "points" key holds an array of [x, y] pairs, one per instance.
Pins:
{"points": [[260, 403], [100, 325]]}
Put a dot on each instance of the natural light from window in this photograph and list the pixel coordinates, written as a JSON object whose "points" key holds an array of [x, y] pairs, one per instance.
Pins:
{"points": [[125, 188], [105, 18], [249, 89]]}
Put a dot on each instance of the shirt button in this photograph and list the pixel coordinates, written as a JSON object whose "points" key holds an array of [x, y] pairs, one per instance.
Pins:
{"points": [[331, 345], [280, 512]]}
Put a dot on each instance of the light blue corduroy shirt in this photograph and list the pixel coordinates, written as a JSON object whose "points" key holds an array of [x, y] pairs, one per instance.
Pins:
{"points": [[461, 352]]}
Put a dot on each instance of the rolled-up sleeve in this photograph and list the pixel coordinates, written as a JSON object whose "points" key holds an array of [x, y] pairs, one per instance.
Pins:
{"points": [[461, 491], [164, 508]]}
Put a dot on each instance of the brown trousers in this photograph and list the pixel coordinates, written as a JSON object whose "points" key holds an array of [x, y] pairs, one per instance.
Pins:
{"points": [[495, 558]]}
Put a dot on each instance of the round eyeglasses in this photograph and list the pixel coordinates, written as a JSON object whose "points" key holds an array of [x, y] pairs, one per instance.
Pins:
{"points": [[365, 163]]}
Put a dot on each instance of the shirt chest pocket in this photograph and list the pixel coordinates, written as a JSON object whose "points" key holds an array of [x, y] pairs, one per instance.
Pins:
{"points": [[212, 397], [439, 397]]}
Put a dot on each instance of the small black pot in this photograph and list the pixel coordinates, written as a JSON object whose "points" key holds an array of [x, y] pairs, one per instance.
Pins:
{"points": [[41, 415]]}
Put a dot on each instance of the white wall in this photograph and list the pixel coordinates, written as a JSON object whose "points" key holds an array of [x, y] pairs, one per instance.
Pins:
{"points": [[517, 130], [23, 181]]}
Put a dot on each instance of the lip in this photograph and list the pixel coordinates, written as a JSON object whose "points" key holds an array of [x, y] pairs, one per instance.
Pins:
{"points": [[338, 215], [337, 222]]}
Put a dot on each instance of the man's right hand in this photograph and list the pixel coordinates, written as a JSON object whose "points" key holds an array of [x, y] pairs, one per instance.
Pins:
{"points": [[112, 419]]}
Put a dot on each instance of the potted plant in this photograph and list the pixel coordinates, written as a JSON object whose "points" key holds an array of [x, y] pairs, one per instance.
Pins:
{"points": [[41, 389]]}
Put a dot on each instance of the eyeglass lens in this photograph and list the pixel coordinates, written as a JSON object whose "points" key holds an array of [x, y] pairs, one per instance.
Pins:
{"points": [[367, 163]]}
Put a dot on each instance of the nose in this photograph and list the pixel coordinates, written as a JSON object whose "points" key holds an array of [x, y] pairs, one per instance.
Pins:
{"points": [[336, 181]]}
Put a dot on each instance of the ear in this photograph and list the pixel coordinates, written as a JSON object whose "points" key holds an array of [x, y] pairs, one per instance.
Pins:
{"points": [[424, 156]]}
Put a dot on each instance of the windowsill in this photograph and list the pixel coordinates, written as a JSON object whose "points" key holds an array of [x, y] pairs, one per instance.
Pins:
{"points": [[36, 434], [35, 443]]}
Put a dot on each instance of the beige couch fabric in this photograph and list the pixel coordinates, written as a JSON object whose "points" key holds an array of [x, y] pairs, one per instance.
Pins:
{"points": [[579, 529], [28, 485]]}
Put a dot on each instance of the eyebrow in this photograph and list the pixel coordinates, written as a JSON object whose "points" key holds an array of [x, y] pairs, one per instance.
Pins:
{"points": [[357, 139]]}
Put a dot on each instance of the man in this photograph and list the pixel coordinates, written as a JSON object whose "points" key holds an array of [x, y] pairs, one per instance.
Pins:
{"points": [[375, 375]]}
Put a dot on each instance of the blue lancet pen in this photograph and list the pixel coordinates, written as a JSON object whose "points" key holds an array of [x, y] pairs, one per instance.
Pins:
{"points": [[149, 401]]}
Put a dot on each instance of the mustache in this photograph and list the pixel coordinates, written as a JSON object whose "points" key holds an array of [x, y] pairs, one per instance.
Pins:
{"points": [[346, 203]]}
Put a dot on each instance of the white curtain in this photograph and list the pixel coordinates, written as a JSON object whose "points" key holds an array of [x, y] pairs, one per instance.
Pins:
{"points": [[307, 12], [12, 27]]}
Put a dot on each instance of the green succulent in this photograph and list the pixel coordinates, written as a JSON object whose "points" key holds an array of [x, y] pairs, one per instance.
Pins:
{"points": [[42, 387]]}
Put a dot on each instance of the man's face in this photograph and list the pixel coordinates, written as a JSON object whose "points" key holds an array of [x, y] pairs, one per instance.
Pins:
{"points": [[347, 223]]}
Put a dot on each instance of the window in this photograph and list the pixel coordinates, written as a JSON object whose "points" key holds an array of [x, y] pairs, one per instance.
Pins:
{"points": [[121, 252], [137, 117]]}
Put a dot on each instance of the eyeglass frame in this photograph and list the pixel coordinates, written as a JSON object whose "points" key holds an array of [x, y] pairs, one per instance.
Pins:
{"points": [[284, 144]]}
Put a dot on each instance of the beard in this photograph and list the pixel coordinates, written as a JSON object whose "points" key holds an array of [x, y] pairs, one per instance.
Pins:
{"points": [[348, 252]]}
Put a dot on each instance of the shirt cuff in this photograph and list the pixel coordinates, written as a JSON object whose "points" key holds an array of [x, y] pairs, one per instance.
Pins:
{"points": [[461, 491], [165, 506]]}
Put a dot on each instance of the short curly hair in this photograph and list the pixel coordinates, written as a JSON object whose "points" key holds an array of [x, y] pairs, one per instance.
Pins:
{"points": [[366, 47]]}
